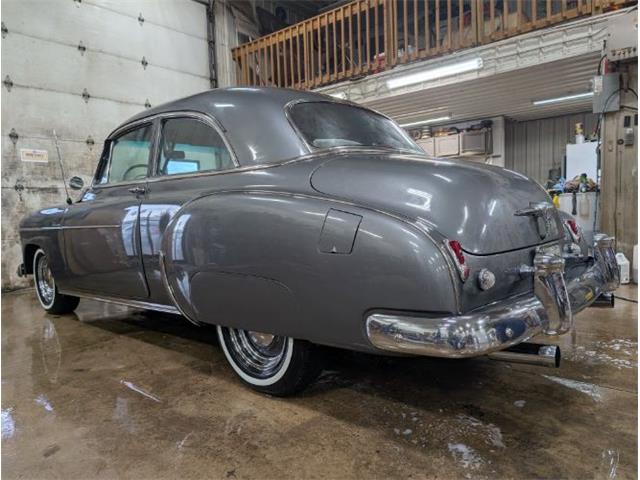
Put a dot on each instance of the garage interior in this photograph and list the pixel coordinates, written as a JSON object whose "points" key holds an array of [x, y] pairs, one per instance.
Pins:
{"points": [[545, 88]]}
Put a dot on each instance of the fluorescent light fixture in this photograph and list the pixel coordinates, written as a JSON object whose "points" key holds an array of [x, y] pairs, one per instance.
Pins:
{"points": [[424, 122], [564, 98], [433, 73], [340, 95]]}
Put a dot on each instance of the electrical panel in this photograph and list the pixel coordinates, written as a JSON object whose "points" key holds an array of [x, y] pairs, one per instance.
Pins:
{"points": [[622, 43], [606, 93]]}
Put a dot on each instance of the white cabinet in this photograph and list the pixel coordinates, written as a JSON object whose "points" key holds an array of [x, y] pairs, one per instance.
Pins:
{"points": [[447, 146], [582, 158]]}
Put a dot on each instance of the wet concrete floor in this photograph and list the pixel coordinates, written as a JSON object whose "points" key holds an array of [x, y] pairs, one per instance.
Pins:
{"points": [[112, 392]]}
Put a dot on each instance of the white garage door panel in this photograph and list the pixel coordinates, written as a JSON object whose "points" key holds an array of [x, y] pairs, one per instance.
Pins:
{"points": [[102, 75], [182, 15], [40, 55], [21, 204], [77, 157], [37, 112], [107, 31]]}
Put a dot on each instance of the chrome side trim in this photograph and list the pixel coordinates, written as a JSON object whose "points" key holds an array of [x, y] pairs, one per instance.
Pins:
{"points": [[124, 301], [67, 227], [326, 152], [167, 285]]}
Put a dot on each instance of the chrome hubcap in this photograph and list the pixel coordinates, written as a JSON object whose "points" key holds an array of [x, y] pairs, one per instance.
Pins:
{"points": [[44, 280], [258, 354], [261, 339]]}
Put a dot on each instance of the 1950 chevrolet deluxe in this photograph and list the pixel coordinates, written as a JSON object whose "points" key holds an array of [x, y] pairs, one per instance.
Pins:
{"points": [[292, 219]]}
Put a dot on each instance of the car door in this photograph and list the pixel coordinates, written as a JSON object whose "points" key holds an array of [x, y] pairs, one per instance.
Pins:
{"points": [[101, 232], [191, 153]]}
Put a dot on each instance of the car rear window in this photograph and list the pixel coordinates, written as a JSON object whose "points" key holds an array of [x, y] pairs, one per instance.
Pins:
{"points": [[331, 124]]}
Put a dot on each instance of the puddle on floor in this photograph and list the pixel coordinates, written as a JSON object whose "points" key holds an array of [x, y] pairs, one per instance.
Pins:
{"points": [[465, 456], [8, 423], [594, 391], [44, 402], [619, 353], [609, 463]]}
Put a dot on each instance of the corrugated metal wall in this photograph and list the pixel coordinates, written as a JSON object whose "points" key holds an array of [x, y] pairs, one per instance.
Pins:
{"points": [[123, 55], [535, 146]]}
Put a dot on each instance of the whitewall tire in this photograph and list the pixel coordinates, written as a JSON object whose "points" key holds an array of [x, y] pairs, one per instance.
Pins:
{"points": [[47, 291], [271, 364]]}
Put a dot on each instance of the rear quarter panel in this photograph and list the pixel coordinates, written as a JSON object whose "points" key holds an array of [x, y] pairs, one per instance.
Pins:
{"points": [[252, 260]]}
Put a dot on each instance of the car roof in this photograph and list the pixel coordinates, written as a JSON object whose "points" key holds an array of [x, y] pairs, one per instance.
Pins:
{"points": [[253, 119]]}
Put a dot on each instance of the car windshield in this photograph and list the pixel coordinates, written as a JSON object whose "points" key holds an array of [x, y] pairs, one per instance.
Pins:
{"points": [[331, 124]]}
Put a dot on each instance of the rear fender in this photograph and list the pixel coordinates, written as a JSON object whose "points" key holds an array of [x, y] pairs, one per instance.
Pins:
{"points": [[280, 263]]}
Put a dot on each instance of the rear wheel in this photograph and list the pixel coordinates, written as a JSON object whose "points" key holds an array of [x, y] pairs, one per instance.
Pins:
{"points": [[271, 364], [47, 291]]}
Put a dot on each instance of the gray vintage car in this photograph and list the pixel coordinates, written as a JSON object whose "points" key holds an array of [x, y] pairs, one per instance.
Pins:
{"points": [[291, 220]]}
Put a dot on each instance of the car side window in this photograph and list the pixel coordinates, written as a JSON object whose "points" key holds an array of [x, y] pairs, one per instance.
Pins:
{"points": [[129, 156], [188, 145]]}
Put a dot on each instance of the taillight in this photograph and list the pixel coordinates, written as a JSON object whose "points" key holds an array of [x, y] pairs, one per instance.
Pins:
{"points": [[574, 229], [455, 249]]}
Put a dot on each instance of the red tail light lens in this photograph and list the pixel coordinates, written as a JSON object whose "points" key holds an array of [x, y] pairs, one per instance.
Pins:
{"points": [[573, 226], [455, 249], [574, 230]]}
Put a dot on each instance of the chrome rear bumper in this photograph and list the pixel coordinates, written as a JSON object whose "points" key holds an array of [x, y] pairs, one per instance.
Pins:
{"points": [[560, 291]]}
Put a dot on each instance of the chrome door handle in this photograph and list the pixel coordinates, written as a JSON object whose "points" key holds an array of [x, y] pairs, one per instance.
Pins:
{"points": [[138, 190]]}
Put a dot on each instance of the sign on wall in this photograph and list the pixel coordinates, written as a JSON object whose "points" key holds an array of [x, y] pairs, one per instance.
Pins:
{"points": [[33, 155]]}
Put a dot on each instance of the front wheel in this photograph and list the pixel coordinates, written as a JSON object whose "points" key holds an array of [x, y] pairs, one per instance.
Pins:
{"points": [[271, 364], [46, 290]]}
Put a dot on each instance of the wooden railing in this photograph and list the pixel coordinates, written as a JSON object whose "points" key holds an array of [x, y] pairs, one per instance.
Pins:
{"points": [[369, 36]]}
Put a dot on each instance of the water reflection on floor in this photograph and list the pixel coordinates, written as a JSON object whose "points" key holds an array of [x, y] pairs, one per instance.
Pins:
{"points": [[112, 392]]}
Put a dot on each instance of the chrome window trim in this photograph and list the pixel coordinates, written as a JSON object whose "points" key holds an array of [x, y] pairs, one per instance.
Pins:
{"points": [[287, 112], [158, 307], [122, 131], [312, 152], [207, 119]]}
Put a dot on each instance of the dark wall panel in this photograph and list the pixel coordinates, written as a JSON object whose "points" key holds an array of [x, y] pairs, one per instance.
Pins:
{"points": [[534, 147]]}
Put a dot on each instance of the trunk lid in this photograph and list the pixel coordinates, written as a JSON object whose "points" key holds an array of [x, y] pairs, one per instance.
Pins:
{"points": [[472, 203]]}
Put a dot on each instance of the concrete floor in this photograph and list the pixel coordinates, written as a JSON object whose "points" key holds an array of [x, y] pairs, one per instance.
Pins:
{"points": [[112, 392]]}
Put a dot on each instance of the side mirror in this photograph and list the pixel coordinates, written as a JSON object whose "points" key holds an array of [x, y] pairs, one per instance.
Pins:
{"points": [[76, 183]]}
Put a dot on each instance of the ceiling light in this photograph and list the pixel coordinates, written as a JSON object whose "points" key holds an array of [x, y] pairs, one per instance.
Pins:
{"points": [[424, 122], [565, 98], [433, 73]]}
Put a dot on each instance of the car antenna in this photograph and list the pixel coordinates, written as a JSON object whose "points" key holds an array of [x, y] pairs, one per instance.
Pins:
{"points": [[64, 178]]}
